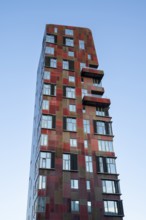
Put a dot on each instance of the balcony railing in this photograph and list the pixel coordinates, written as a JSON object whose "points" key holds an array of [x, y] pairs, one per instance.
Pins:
{"points": [[96, 100]]}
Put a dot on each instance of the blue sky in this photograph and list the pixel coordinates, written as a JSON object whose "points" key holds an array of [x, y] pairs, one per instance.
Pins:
{"points": [[119, 31]]}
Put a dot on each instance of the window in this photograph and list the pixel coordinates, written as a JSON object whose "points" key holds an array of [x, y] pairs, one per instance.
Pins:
{"points": [[84, 92], [82, 65], [45, 105], [75, 206], [74, 184], [96, 82], [69, 92], [55, 30], [106, 165], [50, 38], [46, 75], [85, 144], [89, 56], [65, 65], [69, 42], [72, 108], [88, 184], [68, 32], [53, 63], [84, 109], [68, 65], [49, 50], [70, 162], [86, 124], [44, 140], [101, 127], [110, 186], [48, 121], [81, 44], [71, 79], [89, 206], [50, 62], [113, 208], [88, 161], [69, 124], [106, 146], [49, 89], [101, 111], [40, 204], [47, 160], [70, 53], [42, 182], [73, 142]]}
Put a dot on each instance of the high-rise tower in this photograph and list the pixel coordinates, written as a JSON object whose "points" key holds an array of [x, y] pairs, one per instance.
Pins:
{"points": [[73, 173]]}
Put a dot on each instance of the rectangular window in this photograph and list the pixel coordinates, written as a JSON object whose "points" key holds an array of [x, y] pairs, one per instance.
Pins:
{"points": [[45, 105], [89, 166], [82, 65], [70, 162], [89, 56], [53, 63], [84, 109], [85, 144], [101, 111], [71, 124], [70, 53], [41, 204], [71, 79], [49, 50], [96, 82], [47, 75], [55, 30], [110, 186], [42, 182], [69, 42], [75, 206], [44, 140], [73, 142], [81, 44], [86, 124], [101, 127], [50, 39], [89, 206], [106, 165], [74, 184], [72, 108], [106, 146], [84, 92], [69, 92], [49, 89], [88, 185], [47, 160], [65, 65], [48, 121], [113, 208], [69, 32]]}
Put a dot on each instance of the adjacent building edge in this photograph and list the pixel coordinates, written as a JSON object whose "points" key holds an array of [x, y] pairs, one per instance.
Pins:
{"points": [[72, 169]]}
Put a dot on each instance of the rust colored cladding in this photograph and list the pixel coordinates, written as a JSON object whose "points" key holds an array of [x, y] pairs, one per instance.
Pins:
{"points": [[72, 172]]}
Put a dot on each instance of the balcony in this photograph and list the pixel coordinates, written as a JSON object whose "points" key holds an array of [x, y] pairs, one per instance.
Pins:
{"points": [[97, 90], [93, 73], [95, 100]]}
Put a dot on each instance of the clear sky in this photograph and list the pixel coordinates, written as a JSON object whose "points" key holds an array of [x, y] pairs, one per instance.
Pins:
{"points": [[119, 31]]}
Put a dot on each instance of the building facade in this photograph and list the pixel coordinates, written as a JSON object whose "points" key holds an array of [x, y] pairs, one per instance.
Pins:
{"points": [[73, 172]]}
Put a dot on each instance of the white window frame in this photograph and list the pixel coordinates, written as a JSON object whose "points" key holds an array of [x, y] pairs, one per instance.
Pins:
{"points": [[71, 79], [70, 92], [84, 92], [69, 42], [108, 186], [50, 39], [106, 146], [45, 104], [86, 125], [42, 182], [111, 207], [66, 161], [65, 64], [85, 144], [89, 165], [74, 184], [88, 186], [53, 63], [44, 140], [46, 89], [73, 142], [89, 56], [69, 32], [49, 50], [71, 124], [45, 160], [72, 108], [82, 65], [47, 121], [71, 53], [82, 44]]}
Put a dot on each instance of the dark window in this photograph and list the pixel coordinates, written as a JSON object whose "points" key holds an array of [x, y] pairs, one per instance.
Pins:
{"points": [[69, 92], [49, 89], [68, 65], [106, 165], [68, 41], [50, 62], [101, 127]]}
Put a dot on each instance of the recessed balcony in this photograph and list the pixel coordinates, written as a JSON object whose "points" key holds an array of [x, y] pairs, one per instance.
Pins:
{"points": [[95, 100], [93, 73]]}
